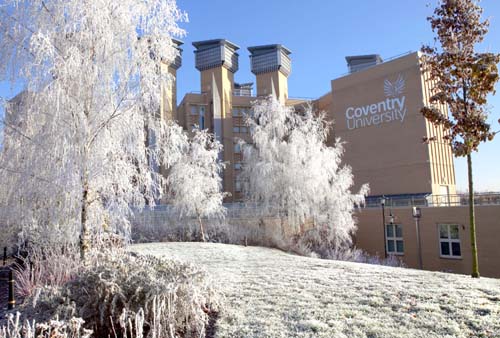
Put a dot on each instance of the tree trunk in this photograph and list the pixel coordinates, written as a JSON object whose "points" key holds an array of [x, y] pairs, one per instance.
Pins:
{"points": [[472, 220], [201, 229], [84, 232]]}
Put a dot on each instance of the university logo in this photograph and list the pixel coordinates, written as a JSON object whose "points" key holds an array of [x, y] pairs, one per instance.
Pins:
{"points": [[396, 88], [391, 109]]}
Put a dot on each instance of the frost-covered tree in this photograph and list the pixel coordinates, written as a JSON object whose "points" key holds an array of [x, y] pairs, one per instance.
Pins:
{"points": [[289, 169], [76, 157], [194, 181]]}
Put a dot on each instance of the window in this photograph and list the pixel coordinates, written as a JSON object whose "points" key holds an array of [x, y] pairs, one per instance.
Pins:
{"points": [[237, 166], [449, 241], [237, 148], [242, 111], [198, 116], [394, 236], [240, 129], [201, 121], [237, 186]]}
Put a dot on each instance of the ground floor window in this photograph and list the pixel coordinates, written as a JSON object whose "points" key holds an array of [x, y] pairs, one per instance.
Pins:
{"points": [[237, 186], [394, 236], [449, 241]]}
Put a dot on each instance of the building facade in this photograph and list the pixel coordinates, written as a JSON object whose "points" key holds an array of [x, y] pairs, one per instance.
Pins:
{"points": [[376, 114]]}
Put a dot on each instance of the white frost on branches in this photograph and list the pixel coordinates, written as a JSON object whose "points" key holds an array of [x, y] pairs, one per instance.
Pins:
{"points": [[194, 181], [289, 168], [76, 156]]}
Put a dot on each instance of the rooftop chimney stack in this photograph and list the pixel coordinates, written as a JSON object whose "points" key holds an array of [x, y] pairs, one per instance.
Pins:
{"points": [[360, 62], [271, 65], [216, 53]]}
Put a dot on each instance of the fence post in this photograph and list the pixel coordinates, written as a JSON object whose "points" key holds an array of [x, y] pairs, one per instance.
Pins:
{"points": [[31, 269], [12, 301], [4, 255]]}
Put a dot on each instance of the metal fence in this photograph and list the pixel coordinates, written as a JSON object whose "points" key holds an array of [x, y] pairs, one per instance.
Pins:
{"points": [[233, 210]]}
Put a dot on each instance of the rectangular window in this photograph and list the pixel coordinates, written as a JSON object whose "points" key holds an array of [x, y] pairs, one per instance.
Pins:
{"points": [[449, 241], [237, 148], [242, 111], [394, 236], [237, 166], [240, 129], [201, 121], [237, 186], [198, 116]]}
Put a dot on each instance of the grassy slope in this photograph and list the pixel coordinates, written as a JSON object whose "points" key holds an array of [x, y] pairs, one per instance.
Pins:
{"points": [[273, 294]]}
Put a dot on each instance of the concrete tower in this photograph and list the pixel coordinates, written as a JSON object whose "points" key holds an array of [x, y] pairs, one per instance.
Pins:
{"points": [[217, 62], [271, 65]]}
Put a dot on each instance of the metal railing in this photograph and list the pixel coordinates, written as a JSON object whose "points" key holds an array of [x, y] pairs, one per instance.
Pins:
{"points": [[435, 200], [247, 210], [242, 92]]}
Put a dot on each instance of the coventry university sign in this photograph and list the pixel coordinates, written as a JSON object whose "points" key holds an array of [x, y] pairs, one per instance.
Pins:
{"points": [[391, 109]]}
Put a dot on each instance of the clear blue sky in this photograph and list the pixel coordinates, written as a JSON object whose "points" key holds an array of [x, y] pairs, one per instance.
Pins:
{"points": [[320, 34]]}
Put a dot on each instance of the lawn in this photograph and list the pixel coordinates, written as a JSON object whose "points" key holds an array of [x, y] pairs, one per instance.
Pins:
{"points": [[269, 293]]}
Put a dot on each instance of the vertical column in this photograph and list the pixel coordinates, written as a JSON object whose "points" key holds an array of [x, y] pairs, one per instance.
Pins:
{"points": [[168, 87], [168, 104], [217, 62], [271, 65]]}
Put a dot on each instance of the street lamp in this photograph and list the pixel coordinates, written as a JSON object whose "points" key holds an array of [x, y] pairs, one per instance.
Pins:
{"points": [[382, 204], [417, 213]]}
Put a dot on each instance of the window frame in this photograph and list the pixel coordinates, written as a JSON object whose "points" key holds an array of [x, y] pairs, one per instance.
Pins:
{"points": [[395, 239], [238, 186], [198, 114], [201, 117], [449, 240]]}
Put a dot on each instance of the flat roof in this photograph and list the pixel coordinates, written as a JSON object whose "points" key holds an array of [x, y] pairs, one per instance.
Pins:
{"points": [[363, 57], [177, 42], [269, 47], [220, 42]]}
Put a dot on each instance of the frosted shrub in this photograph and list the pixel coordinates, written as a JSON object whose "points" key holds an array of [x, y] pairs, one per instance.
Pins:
{"points": [[52, 329], [243, 231], [134, 295], [312, 243], [52, 266]]}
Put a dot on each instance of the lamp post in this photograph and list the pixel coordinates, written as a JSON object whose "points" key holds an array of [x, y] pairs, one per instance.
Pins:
{"points": [[382, 204], [417, 213]]}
